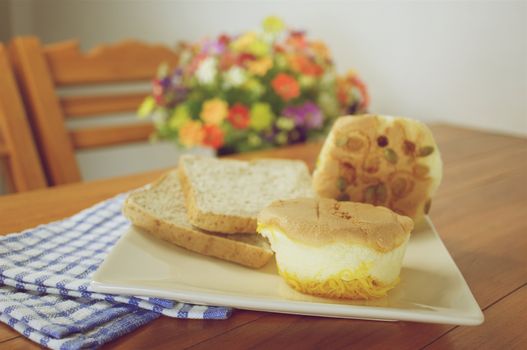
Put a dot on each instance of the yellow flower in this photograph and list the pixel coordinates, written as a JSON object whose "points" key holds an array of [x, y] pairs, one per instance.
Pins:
{"points": [[191, 133], [285, 123], [321, 49], [180, 116], [261, 66], [258, 48], [146, 107], [281, 138], [214, 111], [254, 87], [281, 61], [254, 140], [163, 70], [243, 42], [306, 81], [261, 116], [328, 103], [273, 24]]}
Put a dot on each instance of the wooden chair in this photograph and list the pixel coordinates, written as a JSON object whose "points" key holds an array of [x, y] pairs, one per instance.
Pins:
{"points": [[42, 69], [17, 148]]}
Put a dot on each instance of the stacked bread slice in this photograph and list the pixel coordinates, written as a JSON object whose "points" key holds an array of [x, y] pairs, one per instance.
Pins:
{"points": [[210, 206]]}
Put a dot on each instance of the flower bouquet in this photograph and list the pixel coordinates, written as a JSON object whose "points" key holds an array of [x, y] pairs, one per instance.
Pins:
{"points": [[252, 91]]}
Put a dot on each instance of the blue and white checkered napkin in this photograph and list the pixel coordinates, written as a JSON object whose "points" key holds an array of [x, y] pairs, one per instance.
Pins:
{"points": [[45, 276]]}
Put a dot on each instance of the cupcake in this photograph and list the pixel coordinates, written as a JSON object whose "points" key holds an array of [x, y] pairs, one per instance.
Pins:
{"points": [[336, 249], [381, 160]]}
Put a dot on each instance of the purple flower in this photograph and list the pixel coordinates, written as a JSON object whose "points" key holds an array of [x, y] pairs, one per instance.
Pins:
{"points": [[312, 115], [159, 88], [177, 77], [165, 82], [297, 135], [213, 47], [168, 91], [307, 115], [175, 95]]}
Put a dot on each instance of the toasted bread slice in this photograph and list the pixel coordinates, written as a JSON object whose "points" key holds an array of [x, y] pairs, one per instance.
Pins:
{"points": [[227, 195], [160, 210]]}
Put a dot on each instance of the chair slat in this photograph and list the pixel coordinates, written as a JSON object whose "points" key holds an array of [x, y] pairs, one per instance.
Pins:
{"points": [[4, 152], [17, 145], [43, 68], [110, 135], [90, 106], [47, 118], [126, 61]]}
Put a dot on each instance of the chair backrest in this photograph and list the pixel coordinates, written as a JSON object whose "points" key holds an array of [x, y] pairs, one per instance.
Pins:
{"points": [[43, 69], [17, 147]]}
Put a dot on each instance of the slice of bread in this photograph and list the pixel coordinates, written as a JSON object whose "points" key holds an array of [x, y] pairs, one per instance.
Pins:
{"points": [[227, 195], [160, 210]]}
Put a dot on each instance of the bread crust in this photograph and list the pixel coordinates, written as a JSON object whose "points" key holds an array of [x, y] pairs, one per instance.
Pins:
{"points": [[193, 239]]}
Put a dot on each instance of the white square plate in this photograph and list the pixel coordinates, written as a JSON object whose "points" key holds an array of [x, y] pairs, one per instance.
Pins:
{"points": [[431, 289]]}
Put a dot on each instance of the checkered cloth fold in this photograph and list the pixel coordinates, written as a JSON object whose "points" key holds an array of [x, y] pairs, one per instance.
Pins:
{"points": [[45, 291]]}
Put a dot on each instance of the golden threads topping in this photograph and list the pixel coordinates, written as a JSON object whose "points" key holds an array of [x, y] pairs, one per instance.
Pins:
{"points": [[347, 284]]}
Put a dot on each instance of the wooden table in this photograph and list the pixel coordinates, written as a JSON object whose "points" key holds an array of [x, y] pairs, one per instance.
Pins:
{"points": [[480, 212]]}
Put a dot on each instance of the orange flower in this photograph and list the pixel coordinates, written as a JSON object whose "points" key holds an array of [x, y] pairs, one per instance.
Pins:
{"points": [[286, 86], [297, 40], [261, 66], [279, 48], [214, 111], [354, 79], [304, 65], [191, 133], [342, 92], [214, 136], [321, 50], [194, 64], [239, 116], [227, 60]]}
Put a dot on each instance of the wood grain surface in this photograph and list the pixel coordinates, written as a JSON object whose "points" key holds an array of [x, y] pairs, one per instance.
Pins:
{"points": [[480, 212]]}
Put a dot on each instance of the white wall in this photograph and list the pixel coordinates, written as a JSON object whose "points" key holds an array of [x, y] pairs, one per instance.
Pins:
{"points": [[461, 62], [458, 62]]}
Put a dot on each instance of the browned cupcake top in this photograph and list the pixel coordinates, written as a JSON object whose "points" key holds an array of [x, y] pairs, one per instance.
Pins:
{"points": [[321, 221]]}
